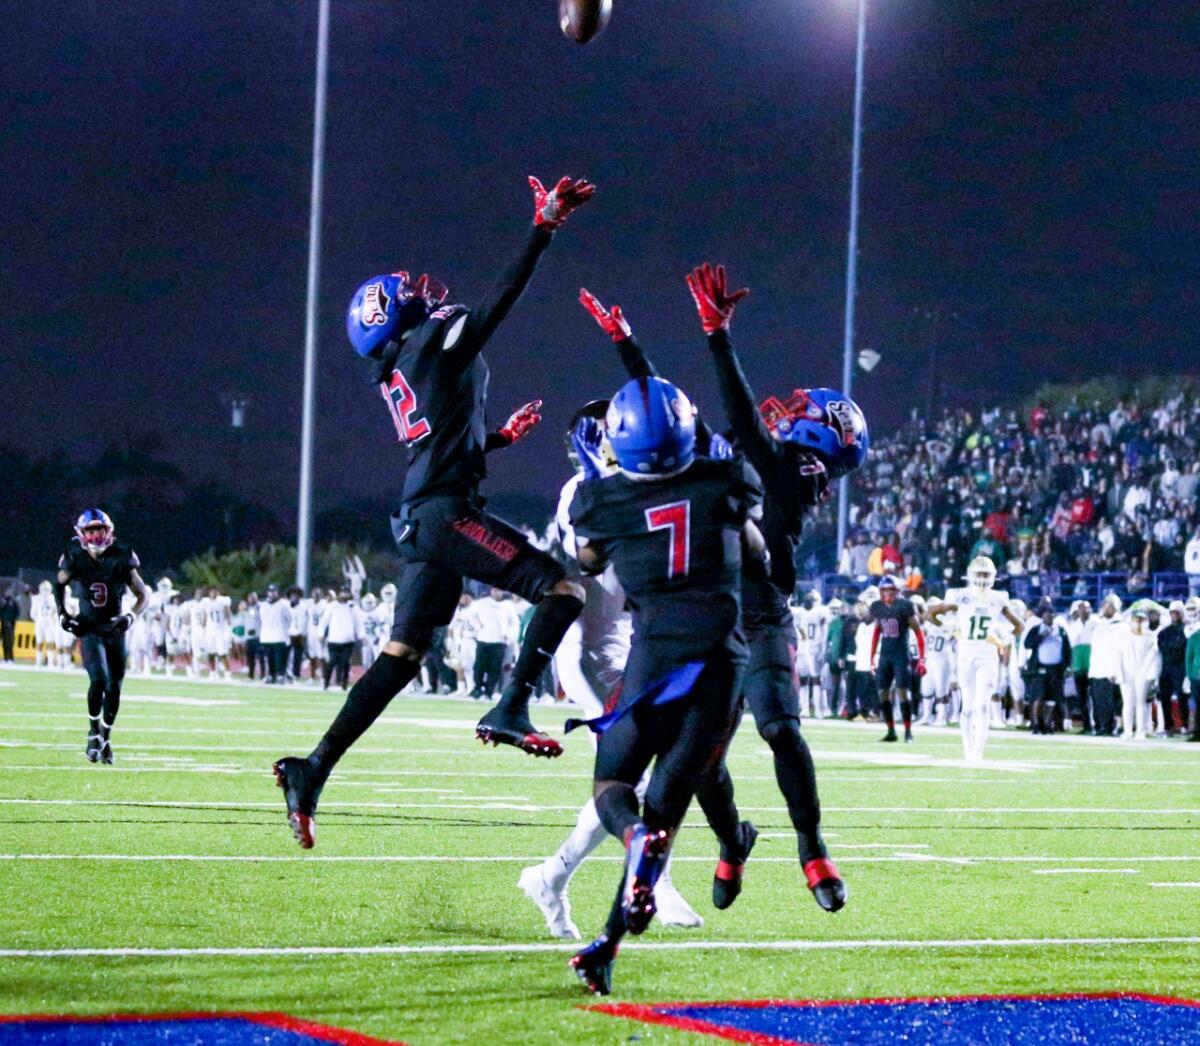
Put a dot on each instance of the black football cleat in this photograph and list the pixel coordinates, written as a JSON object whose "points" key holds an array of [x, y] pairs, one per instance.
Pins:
{"points": [[908, 737], [301, 792], [645, 859], [890, 736], [106, 753], [826, 884], [502, 727], [94, 744], [727, 879], [594, 965]]}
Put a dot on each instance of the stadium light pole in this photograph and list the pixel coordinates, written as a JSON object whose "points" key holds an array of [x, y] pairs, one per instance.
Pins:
{"points": [[308, 417], [843, 516]]}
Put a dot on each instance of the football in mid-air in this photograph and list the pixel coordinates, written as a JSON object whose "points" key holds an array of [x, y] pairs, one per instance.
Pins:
{"points": [[582, 20]]}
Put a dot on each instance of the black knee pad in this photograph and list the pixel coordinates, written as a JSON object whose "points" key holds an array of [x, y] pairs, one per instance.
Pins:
{"points": [[781, 732]]}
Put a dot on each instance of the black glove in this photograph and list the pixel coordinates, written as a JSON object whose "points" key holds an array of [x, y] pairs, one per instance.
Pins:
{"points": [[119, 625], [68, 622]]}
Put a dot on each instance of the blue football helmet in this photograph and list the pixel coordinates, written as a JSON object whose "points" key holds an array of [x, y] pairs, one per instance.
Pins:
{"points": [[651, 426], [94, 529], [384, 307], [826, 422]]}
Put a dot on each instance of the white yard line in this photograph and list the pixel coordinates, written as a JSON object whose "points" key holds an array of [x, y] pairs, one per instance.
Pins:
{"points": [[898, 858], [330, 805], [1086, 871], [1177, 886], [564, 947]]}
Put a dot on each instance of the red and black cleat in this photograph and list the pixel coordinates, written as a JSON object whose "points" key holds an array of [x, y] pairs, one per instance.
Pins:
{"points": [[645, 860], [826, 884], [503, 728], [727, 879], [301, 793], [594, 965]]}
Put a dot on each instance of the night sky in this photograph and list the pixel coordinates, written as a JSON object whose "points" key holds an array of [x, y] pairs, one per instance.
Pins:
{"points": [[1029, 167]]}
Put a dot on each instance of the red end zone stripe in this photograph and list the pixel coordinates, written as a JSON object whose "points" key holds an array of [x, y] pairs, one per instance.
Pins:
{"points": [[761, 1004], [650, 1015], [282, 1021]]}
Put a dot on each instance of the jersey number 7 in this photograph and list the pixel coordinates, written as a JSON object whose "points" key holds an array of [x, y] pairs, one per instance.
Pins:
{"points": [[402, 404], [676, 519]]}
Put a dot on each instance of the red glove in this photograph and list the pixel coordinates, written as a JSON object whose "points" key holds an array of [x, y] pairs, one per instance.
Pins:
{"points": [[713, 300], [550, 209], [521, 422], [920, 667], [612, 323]]}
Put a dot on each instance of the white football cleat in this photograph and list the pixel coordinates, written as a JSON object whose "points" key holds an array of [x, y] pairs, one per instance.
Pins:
{"points": [[553, 903], [673, 910]]}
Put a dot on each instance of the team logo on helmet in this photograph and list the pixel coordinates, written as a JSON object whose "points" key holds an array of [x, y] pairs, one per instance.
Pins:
{"points": [[842, 418], [375, 306]]}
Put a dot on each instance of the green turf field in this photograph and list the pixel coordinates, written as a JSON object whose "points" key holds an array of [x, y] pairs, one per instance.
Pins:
{"points": [[1064, 865]]}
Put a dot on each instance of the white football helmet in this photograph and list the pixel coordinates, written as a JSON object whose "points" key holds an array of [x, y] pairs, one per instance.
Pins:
{"points": [[369, 602], [816, 597], [981, 574], [164, 585], [388, 593], [45, 588]]}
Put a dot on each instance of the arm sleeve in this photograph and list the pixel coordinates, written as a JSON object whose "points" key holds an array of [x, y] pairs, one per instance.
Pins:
{"points": [[753, 437], [494, 441], [637, 364], [874, 640], [486, 317]]}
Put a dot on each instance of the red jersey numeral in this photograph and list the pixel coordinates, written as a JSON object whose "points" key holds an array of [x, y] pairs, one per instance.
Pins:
{"points": [[676, 519], [402, 404], [99, 591]]}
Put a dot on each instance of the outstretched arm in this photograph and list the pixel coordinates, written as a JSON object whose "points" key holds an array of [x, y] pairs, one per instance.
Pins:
{"points": [[519, 424], [715, 304], [613, 323], [550, 209]]}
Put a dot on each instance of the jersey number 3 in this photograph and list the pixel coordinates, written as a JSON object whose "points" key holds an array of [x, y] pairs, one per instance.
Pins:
{"points": [[402, 403], [676, 520], [99, 592]]}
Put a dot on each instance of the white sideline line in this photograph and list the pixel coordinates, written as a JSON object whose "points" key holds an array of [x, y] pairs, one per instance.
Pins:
{"points": [[544, 947], [1086, 871], [1183, 886], [465, 750], [899, 858], [533, 807]]}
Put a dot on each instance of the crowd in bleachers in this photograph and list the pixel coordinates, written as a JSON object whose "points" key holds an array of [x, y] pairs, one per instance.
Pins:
{"points": [[1043, 493]]}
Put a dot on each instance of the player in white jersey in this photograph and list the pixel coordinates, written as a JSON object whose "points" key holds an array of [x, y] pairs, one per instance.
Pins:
{"points": [[138, 648], [197, 608], [177, 621], [217, 632], [318, 648], [370, 627], [66, 641], [590, 662], [935, 684], [460, 645], [812, 628], [44, 612], [1139, 665], [976, 608]]}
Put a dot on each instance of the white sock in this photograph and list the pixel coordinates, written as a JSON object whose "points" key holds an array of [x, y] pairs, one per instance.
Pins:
{"points": [[587, 834]]}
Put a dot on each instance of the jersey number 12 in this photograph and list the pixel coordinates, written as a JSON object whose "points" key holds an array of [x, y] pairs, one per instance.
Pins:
{"points": [[402, 403], [676, 520]]}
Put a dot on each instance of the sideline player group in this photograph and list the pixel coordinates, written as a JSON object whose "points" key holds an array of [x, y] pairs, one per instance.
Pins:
{"points": [[673, 618]]}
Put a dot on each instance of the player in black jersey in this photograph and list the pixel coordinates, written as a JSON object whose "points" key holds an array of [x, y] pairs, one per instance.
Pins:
{"points": [[99, 569], [425, 359], [894, 618], [673, 525], [794, 459]]}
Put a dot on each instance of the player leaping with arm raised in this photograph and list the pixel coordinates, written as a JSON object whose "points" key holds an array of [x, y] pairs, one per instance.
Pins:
{"points": [[425, 358]]}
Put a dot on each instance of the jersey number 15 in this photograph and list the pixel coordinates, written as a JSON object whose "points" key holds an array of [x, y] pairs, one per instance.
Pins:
{"points": [[676, 520]]}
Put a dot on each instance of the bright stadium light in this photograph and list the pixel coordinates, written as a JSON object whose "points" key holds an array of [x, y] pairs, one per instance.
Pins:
{"points": [[852, 260], [308, 417]]}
